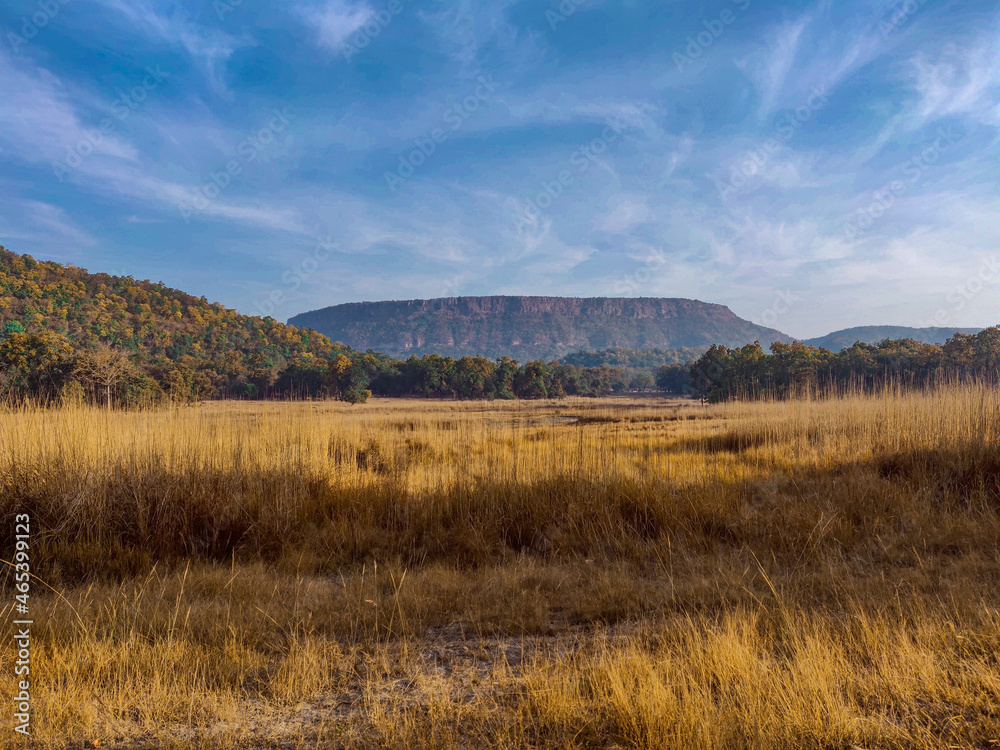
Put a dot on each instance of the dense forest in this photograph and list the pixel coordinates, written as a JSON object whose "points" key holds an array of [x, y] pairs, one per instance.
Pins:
{"points": [[796, 369], [61, 325], [636, 359], [68, 335]]}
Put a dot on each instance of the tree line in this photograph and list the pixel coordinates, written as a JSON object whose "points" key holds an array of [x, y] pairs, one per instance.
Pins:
{"points": [[45, 367], [67, 335], [70, 336], [794, 370]]}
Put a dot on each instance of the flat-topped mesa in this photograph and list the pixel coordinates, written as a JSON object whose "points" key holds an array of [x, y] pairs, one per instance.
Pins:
{"points": [[526, 327]]}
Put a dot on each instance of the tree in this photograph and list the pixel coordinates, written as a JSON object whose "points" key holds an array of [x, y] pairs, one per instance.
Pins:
{"points": [[568, 379], [34, 363], [674, 379], [348, 379], [179, 384], [473, 377], [708, 374], [104, 367], [642, 381], [532, 381], [507, 369]]}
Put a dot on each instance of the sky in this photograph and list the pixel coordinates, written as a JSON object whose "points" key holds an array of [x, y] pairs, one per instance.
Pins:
{"points": [[812, 165]]}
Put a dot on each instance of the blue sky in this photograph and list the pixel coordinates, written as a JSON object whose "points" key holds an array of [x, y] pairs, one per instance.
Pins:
{"points": [[812, 165]]}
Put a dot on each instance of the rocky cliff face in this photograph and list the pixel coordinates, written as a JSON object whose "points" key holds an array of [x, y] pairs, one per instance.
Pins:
{"points": [[531, 327]]}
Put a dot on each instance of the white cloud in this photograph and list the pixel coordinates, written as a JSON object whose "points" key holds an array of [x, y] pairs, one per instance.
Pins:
{"points": [[771, 74], [39, 123], [39, 223], [469, 30], [336, 21], [959, 81], [57, 222], [627, 213], [210, 47]]}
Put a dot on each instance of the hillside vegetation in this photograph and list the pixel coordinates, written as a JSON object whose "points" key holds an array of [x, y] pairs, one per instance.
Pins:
{"points": [[638, 574], [51, 312], [67, 335]]}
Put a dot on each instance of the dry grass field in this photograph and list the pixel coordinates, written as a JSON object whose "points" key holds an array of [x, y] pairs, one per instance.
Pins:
{"points": [[575, 574]]}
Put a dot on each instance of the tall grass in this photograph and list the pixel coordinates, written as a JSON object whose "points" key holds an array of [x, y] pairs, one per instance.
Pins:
{"points": [[637, 573]]}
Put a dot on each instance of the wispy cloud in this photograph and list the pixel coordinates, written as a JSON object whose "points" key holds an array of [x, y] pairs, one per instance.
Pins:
{"points": [[959, 80], [39, 121], [43, 224], [41, 124], [773, 69], [54, 219], [651, 191], [335, 21], [170, 23], [470, 32]]}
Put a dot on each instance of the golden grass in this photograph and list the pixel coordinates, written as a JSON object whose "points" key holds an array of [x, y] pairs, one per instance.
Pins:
{"points": [[631, 573]]}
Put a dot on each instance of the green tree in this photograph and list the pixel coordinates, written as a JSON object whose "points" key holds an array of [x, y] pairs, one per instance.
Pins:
{"points": [[507, 370], [473, 378]]}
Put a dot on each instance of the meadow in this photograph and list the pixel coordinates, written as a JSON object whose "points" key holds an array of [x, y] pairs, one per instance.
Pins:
{"points": [[586, 573]]}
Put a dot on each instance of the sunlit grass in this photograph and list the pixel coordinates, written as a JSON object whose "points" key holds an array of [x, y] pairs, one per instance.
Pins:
{"points": [[639, 573]]}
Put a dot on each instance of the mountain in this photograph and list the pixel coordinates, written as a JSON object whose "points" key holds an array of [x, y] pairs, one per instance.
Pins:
{"points": [[49, 311], [531, 327], [874, 334]]}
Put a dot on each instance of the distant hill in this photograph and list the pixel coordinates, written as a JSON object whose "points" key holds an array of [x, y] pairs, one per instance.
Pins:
{"points": [[874, 334], [531, 327]]}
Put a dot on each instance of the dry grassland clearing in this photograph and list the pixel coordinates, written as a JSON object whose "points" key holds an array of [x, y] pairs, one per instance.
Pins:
{"points": [[574, 574]]}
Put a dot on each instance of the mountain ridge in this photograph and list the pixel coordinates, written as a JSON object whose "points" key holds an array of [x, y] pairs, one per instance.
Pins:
{"points": [[531, 327], [841, 339]]}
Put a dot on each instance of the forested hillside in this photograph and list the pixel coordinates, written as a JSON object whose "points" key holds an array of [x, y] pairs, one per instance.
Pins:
{"points": [[67, 335], [51, 313], [70, 335]]}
